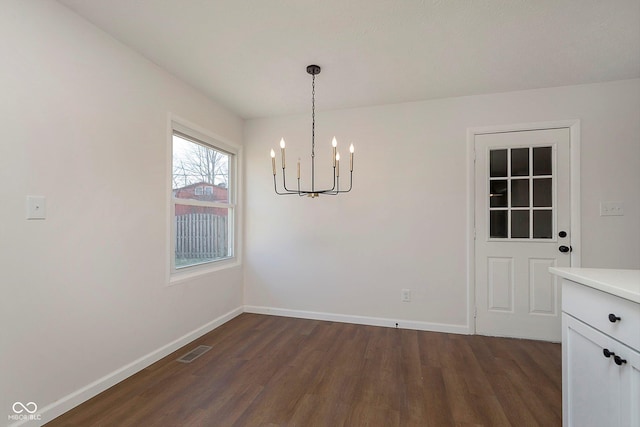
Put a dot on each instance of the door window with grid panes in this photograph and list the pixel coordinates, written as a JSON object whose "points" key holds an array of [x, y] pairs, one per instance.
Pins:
{"points": [[521, 193]]}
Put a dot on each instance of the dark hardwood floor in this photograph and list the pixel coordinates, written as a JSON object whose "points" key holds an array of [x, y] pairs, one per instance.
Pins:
{"points": [[277, 371]]}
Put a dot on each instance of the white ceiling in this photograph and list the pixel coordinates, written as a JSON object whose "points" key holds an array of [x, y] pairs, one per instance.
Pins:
{"points": [[251, 55]]}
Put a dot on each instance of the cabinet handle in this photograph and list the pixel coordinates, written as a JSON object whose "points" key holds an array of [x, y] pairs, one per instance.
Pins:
{"points": [[608, 353], [613, 318], [619, 360]]}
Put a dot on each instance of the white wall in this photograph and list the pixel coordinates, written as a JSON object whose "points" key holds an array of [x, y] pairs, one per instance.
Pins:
{"points": [[84, 123], [404, 224]]}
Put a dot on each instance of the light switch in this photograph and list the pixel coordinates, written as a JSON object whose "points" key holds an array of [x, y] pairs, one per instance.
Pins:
{"points": [[36, 207], [611, 209]]}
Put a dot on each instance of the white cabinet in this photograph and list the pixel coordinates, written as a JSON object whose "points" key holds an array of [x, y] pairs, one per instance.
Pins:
{"points": [[600, 358]]}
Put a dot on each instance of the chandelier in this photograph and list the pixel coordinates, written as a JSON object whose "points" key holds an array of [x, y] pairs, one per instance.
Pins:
{"points": [[313, 191]]}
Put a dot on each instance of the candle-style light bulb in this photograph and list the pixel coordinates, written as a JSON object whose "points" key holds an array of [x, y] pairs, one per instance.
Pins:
{"points": [[351, 150], [273, 161], [337, 164], [282, 151], [334, 144]]}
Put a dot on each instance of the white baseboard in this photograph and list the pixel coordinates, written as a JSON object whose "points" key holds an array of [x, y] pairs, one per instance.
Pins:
{"points": [[361, 320], [54, 410], [72, 400]]}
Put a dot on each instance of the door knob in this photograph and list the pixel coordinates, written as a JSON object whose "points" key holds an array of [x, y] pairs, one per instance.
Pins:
{"points": [[613, 318], [565, 249], [608, 353], [562, 234]]}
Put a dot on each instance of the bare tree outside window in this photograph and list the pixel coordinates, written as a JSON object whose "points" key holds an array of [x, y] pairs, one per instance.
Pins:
{"points": [[193, 163]]}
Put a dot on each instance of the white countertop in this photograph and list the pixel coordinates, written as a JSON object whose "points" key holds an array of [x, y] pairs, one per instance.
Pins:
{"points": [[622, 283]]}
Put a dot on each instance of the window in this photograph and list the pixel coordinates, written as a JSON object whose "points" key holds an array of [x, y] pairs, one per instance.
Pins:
{"points": [[521, 193], [202, 201]]}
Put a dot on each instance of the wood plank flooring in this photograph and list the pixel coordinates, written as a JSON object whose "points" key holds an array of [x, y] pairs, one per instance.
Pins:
{"points": [[277, 371]]}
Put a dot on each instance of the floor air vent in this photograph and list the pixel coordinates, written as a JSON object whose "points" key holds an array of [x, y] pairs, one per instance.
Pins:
{"points": [[194, 354]]}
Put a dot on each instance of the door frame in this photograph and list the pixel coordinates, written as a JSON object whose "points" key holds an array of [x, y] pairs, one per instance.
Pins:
{"points": [[574, 176]]}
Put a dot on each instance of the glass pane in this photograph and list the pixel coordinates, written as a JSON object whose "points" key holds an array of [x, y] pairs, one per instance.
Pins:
{"points": [[202, 234], [520, 193], [542, 161], [542, 224], [542, 193], [498, 193], [497, 163], [520, 162], [199, 171], [520, 224], [498, 224]]}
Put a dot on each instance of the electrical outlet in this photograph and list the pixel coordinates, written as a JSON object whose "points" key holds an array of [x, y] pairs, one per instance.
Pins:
{"points": [[611, 209], [406, 295]]}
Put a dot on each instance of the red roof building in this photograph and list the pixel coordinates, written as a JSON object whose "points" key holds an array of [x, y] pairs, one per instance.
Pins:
{"points": [[201, 191]]}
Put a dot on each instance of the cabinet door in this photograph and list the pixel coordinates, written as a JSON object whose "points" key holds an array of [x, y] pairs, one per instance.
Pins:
{"points": [[591, 382], [631, 387]]}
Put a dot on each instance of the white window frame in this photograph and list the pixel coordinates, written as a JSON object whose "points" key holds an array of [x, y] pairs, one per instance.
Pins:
{"points": [[200, 135]]}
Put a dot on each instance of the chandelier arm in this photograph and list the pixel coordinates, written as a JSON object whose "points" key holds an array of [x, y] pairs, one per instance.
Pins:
{"points": [[350, 183], [300, 192], [284, 184], [275, 187], [336, 179], [327, 190], [336, 187], [333, 192]]}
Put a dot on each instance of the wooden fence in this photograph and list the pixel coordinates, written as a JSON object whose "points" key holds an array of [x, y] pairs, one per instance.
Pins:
{"points": [[202, 236]]}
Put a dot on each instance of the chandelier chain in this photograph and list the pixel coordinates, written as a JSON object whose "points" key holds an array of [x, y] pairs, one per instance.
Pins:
{"points": [[313, 116]]}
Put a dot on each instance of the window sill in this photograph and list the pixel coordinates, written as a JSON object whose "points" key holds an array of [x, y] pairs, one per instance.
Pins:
{"points": [[190, 273]]}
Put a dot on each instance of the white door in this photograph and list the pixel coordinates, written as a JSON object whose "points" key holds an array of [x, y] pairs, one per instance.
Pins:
{"points": [[522, 224]]}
